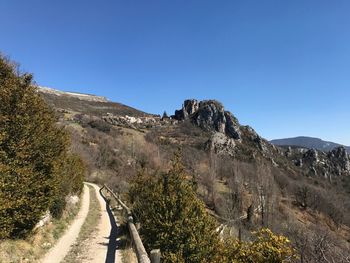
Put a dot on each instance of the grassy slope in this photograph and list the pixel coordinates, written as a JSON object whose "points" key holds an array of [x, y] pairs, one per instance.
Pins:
{"points": [[91, 107]]}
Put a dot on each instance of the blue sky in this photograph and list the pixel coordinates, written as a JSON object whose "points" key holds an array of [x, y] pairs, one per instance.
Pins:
{"points": [[282, 67]]}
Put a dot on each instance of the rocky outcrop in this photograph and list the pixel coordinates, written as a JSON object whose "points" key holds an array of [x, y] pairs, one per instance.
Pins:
{"points": [[318, 163], [211, 116], [311, 156], [188, 108], [340, 160], [232, 127], [221, 144]]}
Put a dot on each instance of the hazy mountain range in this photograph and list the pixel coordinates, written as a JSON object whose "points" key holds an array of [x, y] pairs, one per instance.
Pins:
{"points": [[308, 142]]}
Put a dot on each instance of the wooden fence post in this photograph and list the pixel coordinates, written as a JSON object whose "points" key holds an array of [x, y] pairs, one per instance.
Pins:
{"points": [[155, 256]]}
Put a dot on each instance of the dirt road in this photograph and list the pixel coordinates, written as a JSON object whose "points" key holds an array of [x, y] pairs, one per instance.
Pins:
{"points": [[59, 251], [103, 247]]}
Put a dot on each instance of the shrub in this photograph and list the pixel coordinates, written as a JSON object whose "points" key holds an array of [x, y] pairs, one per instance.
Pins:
{"points": [[266, 247], [30, 149], [70, 176], [173, 218], [100, 125]]}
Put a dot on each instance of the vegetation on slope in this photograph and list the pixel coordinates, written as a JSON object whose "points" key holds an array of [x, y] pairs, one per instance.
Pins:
{"points": [[175, 220], [37, 171]]}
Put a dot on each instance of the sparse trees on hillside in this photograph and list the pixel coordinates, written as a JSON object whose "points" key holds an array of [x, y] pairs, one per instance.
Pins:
{"points": [[174, 219], [303, 196], [31, 147]]}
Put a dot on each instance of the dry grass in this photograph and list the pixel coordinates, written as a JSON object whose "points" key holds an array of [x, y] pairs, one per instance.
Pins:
{"points": [[35, 246], [221, 187]]}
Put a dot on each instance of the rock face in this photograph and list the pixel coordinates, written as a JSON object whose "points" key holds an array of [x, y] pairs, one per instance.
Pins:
{"points": [[221, 144], [327, 164], [189, 107], [340, 160], [232, 127], [209, 115], [311, 156]]}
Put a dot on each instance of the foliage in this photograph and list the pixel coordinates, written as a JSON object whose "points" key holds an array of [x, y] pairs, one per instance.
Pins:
{"points": [[266, 247], [69, 177], [100, 125], [173, 218], [31, 147]]}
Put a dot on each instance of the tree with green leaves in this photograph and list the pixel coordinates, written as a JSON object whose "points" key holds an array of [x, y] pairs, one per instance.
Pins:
{"points": [[32, 148], [172, 217], [70, 171]]}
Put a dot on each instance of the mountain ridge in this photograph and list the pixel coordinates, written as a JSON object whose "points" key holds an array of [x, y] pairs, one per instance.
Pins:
{"points": [[86, 103], [308, 142]]}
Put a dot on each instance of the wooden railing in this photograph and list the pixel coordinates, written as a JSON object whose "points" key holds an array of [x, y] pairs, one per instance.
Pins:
{"points": [[140, 250]]}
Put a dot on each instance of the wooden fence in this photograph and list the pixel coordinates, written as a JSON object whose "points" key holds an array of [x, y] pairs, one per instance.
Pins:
{"points": [[140, 250]]}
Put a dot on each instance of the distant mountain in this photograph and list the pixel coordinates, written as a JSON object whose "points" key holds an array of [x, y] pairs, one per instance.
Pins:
{"points": [[87, 103], [308, 142]]}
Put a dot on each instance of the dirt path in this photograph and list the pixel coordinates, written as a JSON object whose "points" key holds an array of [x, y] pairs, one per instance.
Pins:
{"points": [[103, 246], [59, 251]]}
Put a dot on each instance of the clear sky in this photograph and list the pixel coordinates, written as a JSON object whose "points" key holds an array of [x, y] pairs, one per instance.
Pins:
{"points": [[282, 67]]}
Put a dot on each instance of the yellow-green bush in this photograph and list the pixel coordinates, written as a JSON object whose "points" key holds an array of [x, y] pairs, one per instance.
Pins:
{"points": [[265, 247]]}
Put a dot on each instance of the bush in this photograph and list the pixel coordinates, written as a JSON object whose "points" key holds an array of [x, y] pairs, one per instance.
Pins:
{"points": [[100, 125], [70, 177], [30, 149], [173, 218], [266, 247]]}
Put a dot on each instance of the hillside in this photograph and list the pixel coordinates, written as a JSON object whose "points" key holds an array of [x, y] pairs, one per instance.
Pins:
{"points": [[308, 142], [245, 181], [86, 103]]}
